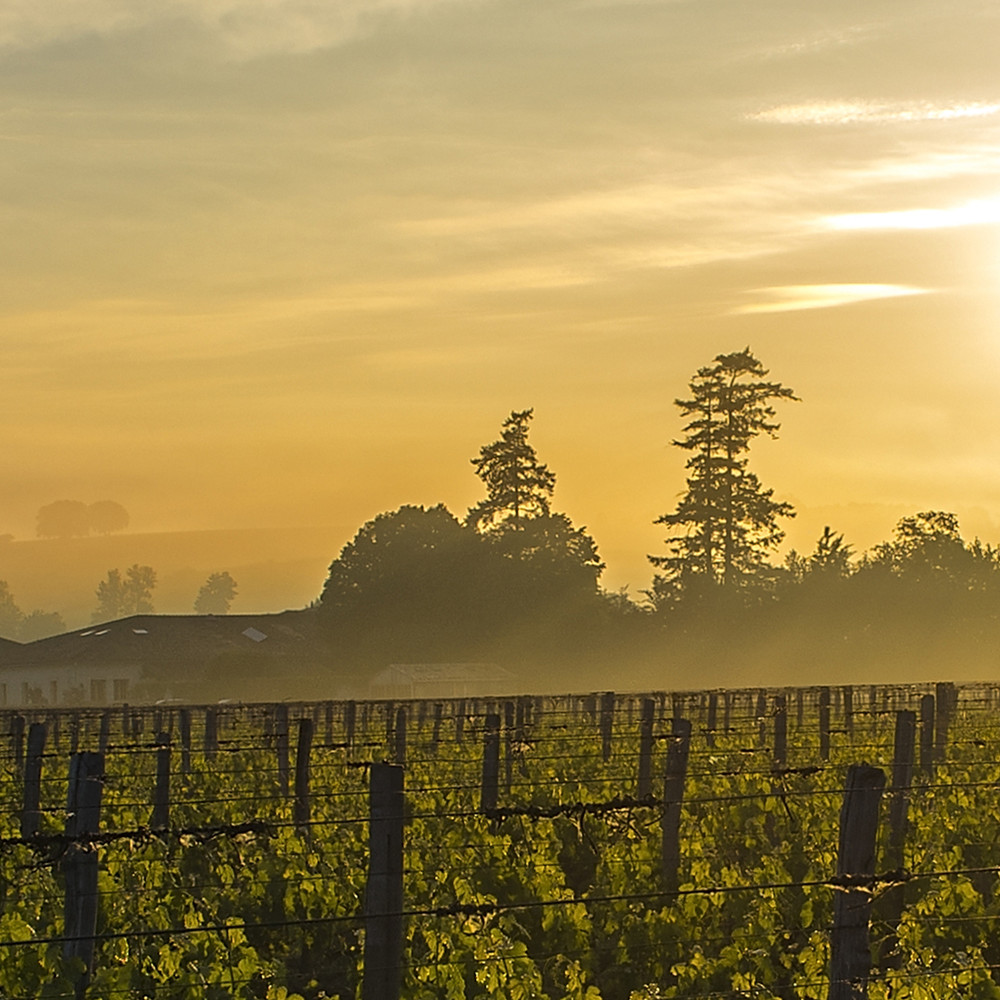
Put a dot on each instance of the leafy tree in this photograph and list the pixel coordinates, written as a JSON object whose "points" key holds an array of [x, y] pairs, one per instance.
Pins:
{"points": [[408, 584], [725, 522], [40, 624], [63, 519], [107, 516], [216, 595], [10, 614], [118, 596], [518, 486]]}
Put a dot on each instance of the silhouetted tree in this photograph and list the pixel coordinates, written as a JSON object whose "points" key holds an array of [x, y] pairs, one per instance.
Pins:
{"points": [[216, 595], [10, 614], [118, 596], [107, 516], [408, 584], [831, 559], [726, 521], [63, 519], [518, 486]]}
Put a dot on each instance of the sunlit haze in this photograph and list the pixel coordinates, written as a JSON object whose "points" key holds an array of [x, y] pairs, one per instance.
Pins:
{"points": [[288, 265]]}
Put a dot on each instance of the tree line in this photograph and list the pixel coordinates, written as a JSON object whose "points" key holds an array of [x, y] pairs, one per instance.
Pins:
{"points": [[513, 580]]}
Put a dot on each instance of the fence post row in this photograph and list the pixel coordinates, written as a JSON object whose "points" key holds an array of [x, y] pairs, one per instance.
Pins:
{"points": [[850, 951], [673, 796], [383, 958], [83, 817]]}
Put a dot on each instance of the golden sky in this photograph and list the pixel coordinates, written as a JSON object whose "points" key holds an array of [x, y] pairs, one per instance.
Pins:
{"points": [[281, 262]]}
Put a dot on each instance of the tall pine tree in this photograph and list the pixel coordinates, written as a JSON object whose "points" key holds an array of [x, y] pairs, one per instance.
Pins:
{"points": [[518, 486], [726, 522]]}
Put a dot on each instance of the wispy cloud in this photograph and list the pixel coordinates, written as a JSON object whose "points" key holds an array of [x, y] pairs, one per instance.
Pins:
{"points": [[981, 212], [246, 28], [791, 298], [871, 112]]}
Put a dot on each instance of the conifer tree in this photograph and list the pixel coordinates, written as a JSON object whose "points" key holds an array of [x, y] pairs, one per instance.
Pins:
{"points": [[726, 521], [518, 486]]}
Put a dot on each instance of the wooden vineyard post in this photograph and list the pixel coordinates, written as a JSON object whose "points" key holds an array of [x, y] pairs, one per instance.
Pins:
{"points": [[727, 710], [947, 697], [383, 959], [17, 739], [211, 742], [673, 799], [890, 905], [713, 719], [460, 721], [30, 813], [760, 714], [848, 703], [104, 732], [126, 722], [780, 753], [645, 783], [799, 708], [436, 730], [83, 817], [508, 744], [160, 819], [350, 721], [390, 722], [281, 746], [302, 750], [607, 723], [328, 723], [850, 952], [927, 735], [824, 723], [184, 723], [399, 737], [489, 791]]}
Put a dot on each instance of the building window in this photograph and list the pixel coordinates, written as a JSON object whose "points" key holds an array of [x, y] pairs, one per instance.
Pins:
{"points": [[98, 692], [119, 687]]}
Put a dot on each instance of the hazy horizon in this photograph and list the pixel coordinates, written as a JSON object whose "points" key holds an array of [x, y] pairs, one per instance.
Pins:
{"points": [[293, 265]]}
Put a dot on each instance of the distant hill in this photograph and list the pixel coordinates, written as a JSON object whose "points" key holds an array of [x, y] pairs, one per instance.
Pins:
{"points": [[275, 568]]}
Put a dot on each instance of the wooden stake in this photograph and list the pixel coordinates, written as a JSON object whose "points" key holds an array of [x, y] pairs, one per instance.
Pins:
{"points": [[673, 796], [302, 750], [83, 817], [383, 958], [927, 735], [850, 953], [489, 790], [31, 813], [160, 819], [645, 783]]}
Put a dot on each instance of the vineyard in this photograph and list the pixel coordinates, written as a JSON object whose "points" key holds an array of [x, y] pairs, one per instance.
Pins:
{"points": [[792, 843]]}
